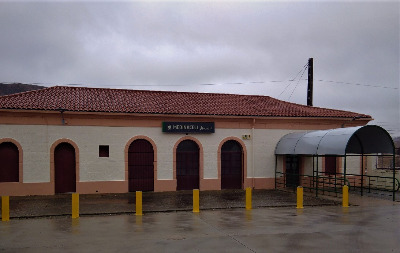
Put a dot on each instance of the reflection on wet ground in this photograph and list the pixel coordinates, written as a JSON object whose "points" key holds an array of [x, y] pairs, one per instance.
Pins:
{"points": [[278, 229]]}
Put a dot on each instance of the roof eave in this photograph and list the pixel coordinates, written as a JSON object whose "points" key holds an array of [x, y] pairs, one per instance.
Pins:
{"points": [[366, 118]]}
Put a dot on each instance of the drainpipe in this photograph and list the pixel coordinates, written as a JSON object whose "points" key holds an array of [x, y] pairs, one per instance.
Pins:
{"points": [[62, 116]]}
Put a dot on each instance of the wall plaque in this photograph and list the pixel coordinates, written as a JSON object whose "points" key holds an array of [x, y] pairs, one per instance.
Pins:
{"points": [[188, 127]]}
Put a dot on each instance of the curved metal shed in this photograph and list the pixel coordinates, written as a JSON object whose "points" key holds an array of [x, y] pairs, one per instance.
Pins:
{"points": [[340, 141]]}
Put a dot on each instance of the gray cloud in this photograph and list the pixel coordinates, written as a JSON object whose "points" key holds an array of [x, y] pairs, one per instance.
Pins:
{"points": [[177, 46]]}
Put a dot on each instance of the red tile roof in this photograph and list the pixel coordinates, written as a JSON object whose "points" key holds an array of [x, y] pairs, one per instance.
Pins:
{"points": [[81, 99]]}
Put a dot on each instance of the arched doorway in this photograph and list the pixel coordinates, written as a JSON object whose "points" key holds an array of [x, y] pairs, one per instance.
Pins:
{"points": [[231, 165], [187, 165], [141, 166], [9, 162], [64, 168]]}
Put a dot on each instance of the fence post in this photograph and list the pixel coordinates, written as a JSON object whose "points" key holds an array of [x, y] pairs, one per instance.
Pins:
{"points": [[345, 196], [299, 197], [139, 207], [196, 201], [75, 205], [369, 184], [5, 208], [248, 198]]}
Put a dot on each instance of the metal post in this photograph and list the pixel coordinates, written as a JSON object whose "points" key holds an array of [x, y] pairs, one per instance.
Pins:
{"points": [[276, 166], [362, 174], [75, 205], [310, 82], [313, 172], [196, 201], [299, 197], [5, 208], [248, 198], [369, 184], [345, 196], [139, 207], [394, 175], [345, 170], [316, 185], [335, 183]]}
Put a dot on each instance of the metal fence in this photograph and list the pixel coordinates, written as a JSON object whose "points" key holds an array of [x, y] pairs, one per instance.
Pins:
{"points": [[332, 184]]}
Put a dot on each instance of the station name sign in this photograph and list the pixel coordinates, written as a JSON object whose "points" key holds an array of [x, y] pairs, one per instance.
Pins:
{"points": [[188, 127]]}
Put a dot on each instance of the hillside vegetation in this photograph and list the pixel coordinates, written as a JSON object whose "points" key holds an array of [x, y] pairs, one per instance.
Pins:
{"points": [[11, 88]]}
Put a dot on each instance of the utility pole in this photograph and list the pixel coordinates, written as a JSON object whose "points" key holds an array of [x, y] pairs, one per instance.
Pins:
{"points": [[310, 82]]}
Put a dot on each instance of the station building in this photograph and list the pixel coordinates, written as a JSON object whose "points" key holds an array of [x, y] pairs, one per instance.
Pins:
{"points": [[96, 140]]}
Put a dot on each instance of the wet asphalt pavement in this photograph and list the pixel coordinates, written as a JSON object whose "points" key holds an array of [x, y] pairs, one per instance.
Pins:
{"points": [[95, 204], [270, 229], [108, 224]]}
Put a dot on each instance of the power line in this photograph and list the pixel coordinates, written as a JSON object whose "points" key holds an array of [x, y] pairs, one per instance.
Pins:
{"points": [[230, 83], [292, 80], [304, 70], [359, 84]]}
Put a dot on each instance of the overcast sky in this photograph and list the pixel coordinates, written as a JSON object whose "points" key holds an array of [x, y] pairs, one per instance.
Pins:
{"points": [[257, 48]]}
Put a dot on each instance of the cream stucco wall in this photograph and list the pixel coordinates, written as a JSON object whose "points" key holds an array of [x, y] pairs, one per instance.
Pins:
{"points": [[308, 164], [265, 141], [36, 141], [353, 164]]}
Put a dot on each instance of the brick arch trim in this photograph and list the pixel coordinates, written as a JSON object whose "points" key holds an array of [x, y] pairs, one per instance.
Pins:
{"points": [[244, 150], [201, 154], [128, 144], [52, 167]]}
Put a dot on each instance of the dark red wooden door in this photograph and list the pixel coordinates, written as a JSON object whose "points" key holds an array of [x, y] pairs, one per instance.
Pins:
{"points": [[292, 171], [64, 166], [187, 165], [330, 165], [141, 166], [231, 165], [9, 162]]}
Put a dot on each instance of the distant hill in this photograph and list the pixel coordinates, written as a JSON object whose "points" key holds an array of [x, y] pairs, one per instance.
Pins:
{"points": [[11, 88]]}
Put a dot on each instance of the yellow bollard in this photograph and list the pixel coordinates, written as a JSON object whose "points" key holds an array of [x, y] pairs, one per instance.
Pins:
{"points": [[139, 208], [196, 201], [248, 198], [345, 196], [5, 208], [75, 205], [299, 197]]}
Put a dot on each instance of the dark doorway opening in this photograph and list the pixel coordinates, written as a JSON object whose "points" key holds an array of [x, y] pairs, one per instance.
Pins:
{"points": [[187, 165], [9, 162], [330, 165], [292, 171], [141, 166], [64, 168], [231, 165]]}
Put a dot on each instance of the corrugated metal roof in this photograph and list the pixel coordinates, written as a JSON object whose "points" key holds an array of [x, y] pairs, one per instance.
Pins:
{"points": [[340, 141], [82, 99]]}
